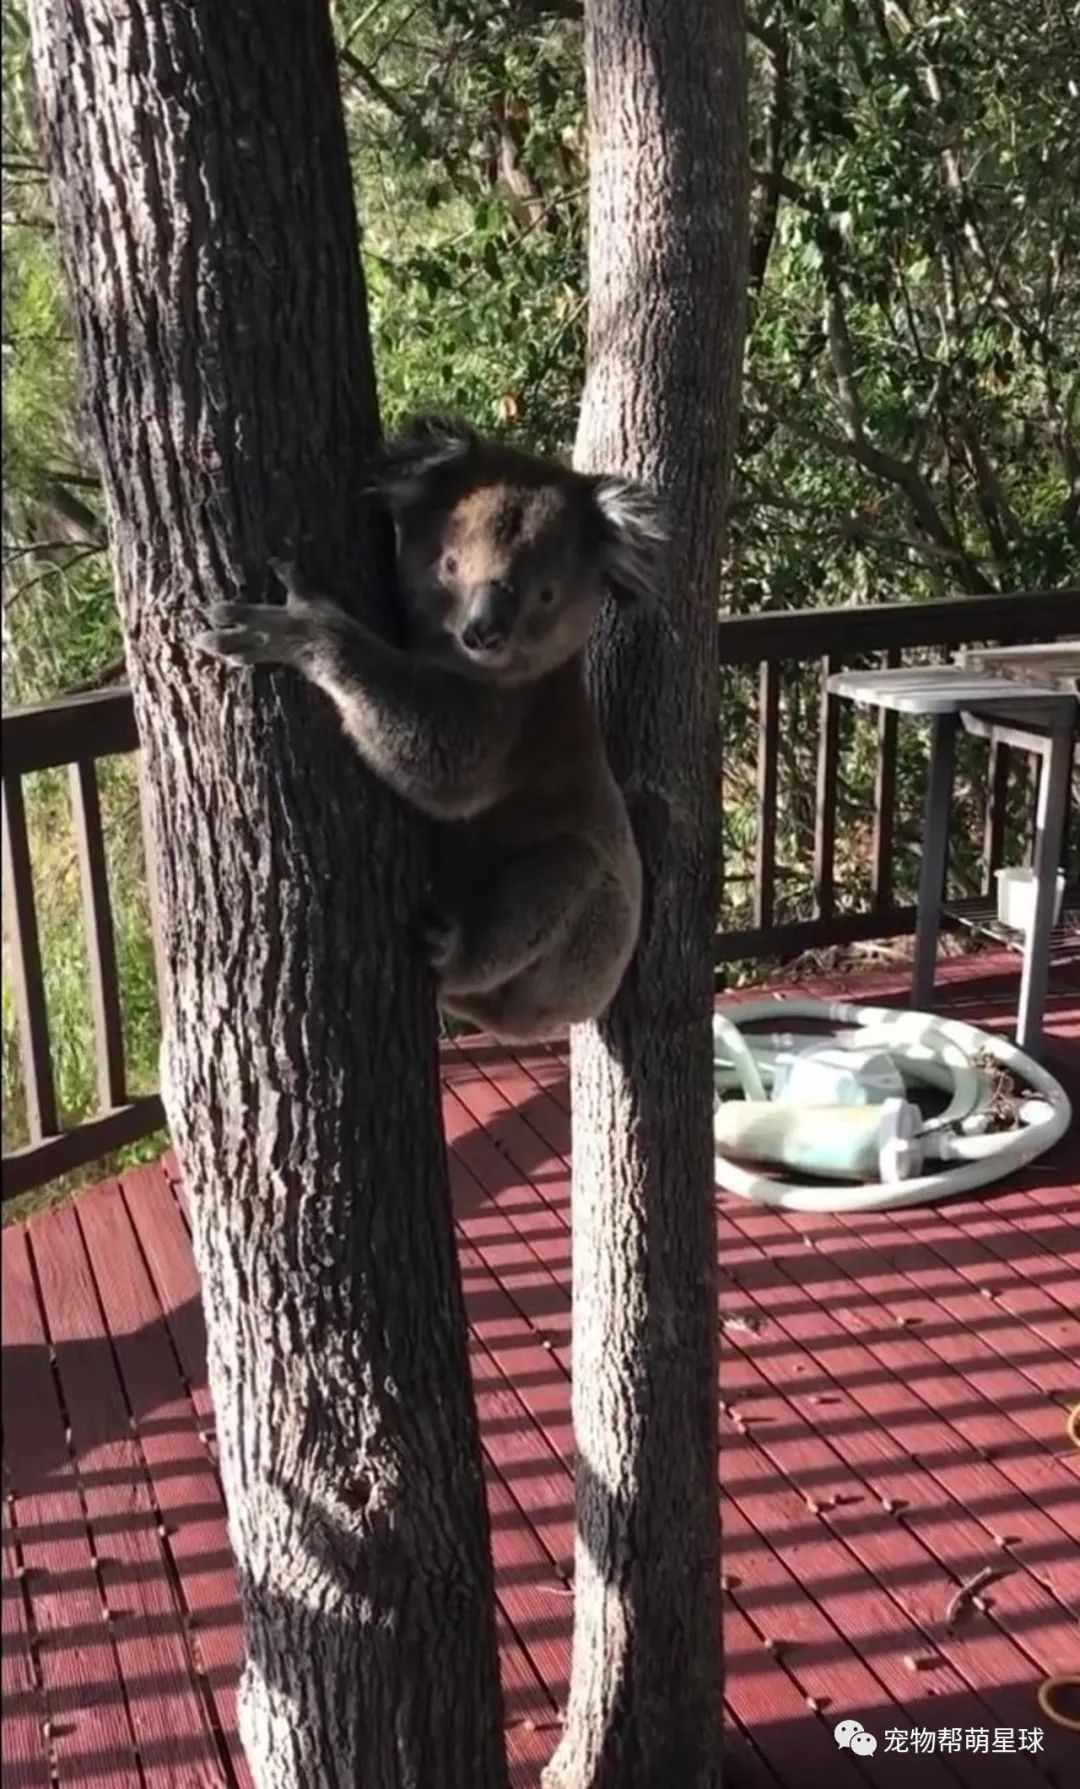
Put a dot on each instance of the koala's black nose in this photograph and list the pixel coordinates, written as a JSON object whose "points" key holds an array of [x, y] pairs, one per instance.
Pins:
{"points": [[483, 636], [490, 620]]}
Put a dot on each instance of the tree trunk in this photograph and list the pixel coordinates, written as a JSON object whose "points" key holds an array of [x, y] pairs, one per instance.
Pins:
{"points": [[668, 229], [206, 215]]}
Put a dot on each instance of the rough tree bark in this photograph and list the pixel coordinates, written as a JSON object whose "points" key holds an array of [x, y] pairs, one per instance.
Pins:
{"points": [[668, 252], [205, 207]]}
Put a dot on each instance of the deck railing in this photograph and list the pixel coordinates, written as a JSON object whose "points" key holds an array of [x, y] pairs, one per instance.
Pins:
{"points": [[78, 731], [834, 639], [74, 732]]}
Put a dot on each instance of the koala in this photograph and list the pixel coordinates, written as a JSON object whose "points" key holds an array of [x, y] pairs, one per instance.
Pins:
{"points": [[481, 718]]}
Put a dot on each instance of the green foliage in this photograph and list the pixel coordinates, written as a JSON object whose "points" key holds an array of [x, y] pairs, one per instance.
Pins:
{"points": [[911, 411], [465, 124], [911, 388]]}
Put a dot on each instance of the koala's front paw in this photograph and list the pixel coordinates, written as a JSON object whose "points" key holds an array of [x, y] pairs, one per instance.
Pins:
{"points": [[290, 578], [263, 634], [441, 940]]}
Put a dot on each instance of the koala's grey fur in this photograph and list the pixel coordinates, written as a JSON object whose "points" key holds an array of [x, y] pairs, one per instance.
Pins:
{"points": [[483, 720]]}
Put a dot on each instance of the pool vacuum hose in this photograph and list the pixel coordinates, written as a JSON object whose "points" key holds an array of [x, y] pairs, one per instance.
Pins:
{"points": [[867, 1130]]}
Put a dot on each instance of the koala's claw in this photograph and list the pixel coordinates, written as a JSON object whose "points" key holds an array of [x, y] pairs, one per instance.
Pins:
{"points": [[250, 634], [288, 576], [441, 938], [237, 645]]}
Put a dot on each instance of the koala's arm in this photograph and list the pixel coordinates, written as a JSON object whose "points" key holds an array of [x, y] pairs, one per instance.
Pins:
{"points": [[441, 741]]}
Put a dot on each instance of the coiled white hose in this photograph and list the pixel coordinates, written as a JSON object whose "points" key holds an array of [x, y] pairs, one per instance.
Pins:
{"points": [[945, 1053]]}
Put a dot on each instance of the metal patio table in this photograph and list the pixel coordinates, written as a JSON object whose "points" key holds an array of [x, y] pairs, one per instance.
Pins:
{"points": [[1032, 716]]}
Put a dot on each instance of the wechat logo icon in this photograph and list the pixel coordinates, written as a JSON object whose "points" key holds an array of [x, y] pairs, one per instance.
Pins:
{"points": [[853, 1735]]}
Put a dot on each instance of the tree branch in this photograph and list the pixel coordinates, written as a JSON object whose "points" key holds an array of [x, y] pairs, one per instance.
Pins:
{"points": [[43, 547], [843, 358], [378, 90], [851, 527], [772, 180], [11, 597], [768, 35], [534, 10], [889, 470]]}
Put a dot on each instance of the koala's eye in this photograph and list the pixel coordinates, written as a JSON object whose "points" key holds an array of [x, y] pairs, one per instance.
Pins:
{"points": [[449, 565], [547, 595]]}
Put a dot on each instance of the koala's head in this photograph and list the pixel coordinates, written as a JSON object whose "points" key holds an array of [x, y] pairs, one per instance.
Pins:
{"points": [[504, 560]]}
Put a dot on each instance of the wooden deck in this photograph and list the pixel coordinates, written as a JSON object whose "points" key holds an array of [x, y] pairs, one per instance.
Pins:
{"points": [[895, 1392]]}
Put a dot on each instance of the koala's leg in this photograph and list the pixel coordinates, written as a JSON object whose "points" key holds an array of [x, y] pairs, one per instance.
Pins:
{"points": [[509, 1015], [575, 981], [528, 910], [440, 740]]}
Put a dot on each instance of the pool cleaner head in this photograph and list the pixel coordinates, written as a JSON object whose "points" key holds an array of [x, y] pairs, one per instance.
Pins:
{"points": [[852, 1142]]}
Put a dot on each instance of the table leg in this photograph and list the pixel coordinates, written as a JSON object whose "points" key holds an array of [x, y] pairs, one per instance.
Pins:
{"points": [[1046, 860], [935, 855]]}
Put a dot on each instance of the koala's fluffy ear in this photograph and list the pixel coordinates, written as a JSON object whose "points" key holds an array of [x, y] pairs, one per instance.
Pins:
{"points": [[427, 444], [634, 533]]}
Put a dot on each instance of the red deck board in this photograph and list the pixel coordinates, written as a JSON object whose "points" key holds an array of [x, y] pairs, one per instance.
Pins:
{"points": [[814, 1493], [958, 1416], [520, 1095], [165, 1423], [847, 1348], [549, 1115], [25, 1763], [84, 1695], [164, 1240], [1024, 1369], [175, 1743], [894, 1378], [817, 1642], [1006, 1243], [988, 1409], [1026, 1633], [796, 1744], [844, 1689], [555, 1131], [507, 1215], [536, 1671], [166, 1248], [821, 1605], [1029, 1247], [515, 1127], [519, 1448]]}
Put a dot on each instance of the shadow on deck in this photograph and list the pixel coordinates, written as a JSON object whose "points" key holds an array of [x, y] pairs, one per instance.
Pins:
{"points": [[894, 1388]]}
